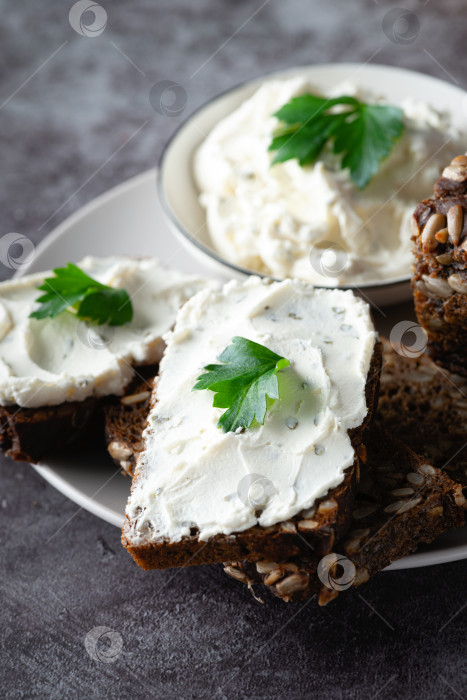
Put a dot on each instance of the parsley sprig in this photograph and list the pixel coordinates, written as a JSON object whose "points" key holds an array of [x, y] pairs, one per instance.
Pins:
{"points": [[246, 384], [362, 134], [72, 290]]}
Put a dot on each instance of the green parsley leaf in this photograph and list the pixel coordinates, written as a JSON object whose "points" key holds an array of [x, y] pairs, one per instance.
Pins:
{"points": [[363, 134], [72, 290], [246, 384]]}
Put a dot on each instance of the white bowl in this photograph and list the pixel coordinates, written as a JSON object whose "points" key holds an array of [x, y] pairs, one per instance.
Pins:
{"points": [[178, 190]]}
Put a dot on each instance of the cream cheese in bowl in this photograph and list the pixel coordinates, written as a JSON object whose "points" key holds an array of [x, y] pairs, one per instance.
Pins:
{"points": [[312, 222]]}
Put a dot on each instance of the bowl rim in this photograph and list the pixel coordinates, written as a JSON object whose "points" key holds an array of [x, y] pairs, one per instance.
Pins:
{"points": [[211, 252]]}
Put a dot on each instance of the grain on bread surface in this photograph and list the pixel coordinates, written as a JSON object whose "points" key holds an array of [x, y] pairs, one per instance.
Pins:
{"points": [[426, 407], [439, 280], [401, 502], [125, 419]]}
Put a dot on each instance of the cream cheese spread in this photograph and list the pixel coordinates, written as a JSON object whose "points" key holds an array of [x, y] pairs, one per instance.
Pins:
{"points": [[191, 474], [50, 361], [312, 222]]}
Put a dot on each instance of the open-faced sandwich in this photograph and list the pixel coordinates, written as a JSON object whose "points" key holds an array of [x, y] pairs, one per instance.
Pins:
{"points": [[71, 338], [293, 393]]}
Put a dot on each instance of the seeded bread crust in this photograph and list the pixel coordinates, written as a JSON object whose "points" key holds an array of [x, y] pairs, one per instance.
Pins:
{"points": [[425, 407], [439, 280], [125, 420], [330, 518], [401, 502], [30, 434]]}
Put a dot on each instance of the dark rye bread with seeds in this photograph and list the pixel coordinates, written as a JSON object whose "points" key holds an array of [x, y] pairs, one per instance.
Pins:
{"points": [[426, 407], [401, 502], [30, 434], [125, 419], [318, 528], [439, 279]]}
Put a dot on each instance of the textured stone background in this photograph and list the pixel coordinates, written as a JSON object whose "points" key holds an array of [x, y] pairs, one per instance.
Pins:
{"points": [[75, 119]]}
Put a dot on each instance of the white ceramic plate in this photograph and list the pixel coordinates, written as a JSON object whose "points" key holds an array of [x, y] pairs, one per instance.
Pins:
{"points": [[179, 193], [128, 220]]}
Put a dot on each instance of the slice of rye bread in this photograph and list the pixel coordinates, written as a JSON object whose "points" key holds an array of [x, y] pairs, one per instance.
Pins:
{"points": [[439, 279], [330, 519], [425, 407], [125, 420], [401, 502], [30, 434]]}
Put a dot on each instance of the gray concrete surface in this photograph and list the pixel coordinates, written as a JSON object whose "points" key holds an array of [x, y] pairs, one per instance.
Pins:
{"points": [[75, 119]]}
